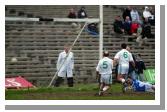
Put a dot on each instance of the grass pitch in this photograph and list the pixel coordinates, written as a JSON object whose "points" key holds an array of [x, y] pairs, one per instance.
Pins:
{"points": [[78, 92]]}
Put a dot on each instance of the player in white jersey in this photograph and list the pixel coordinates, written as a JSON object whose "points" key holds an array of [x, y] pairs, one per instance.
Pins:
{"points": [[123, 58], [104, 69]]}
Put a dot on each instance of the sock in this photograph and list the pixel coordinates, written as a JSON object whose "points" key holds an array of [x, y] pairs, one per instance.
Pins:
{"points": [[105, 88], [122, 80]]}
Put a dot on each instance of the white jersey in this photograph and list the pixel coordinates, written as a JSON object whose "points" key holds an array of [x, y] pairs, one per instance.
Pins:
{"points": [[124, 57], [105, 66], [66, 68]]}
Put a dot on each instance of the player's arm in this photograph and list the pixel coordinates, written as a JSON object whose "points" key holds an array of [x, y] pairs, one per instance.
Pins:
{"points": [[116, 58]]}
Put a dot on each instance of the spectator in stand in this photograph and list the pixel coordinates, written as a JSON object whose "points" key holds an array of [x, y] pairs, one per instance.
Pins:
{"points": [[134, 27], [127, 13], [140, 66], [152, 11], [135, 15], [118, 25], [139, 30], [146, 33], [92, 29], [139, 35], [127, 25], [82, 13], [72, 14], [147, 15]]}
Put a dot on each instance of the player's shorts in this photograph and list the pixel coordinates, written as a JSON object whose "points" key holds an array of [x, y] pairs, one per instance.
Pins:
{"points": [[107, 79], [123, 69]]}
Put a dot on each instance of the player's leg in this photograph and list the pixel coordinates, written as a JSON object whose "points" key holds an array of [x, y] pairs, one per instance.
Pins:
{"points": [[99, 80], [70, 81], [106, 87], [101, 85], [120, 77], [149, 87], [101, 89], [153, 87], [108, 82], [124, 71], [59, 80]]}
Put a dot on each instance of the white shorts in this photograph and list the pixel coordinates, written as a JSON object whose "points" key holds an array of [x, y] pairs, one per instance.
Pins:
{"points": [[107, 79], [123, 69]]}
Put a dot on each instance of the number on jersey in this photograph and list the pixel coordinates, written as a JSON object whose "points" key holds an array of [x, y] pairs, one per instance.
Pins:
{"points": [[105, 65], [125, 55]]}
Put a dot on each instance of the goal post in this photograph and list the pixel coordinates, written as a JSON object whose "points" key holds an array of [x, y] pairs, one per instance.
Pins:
{"points": [[88, 20], [101, 32]]}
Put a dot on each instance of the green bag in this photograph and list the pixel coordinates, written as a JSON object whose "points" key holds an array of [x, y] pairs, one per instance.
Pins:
{"points": [[149, 75]]}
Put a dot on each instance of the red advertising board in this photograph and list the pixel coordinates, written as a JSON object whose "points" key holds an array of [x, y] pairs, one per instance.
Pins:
{"points": [[17, 82]]}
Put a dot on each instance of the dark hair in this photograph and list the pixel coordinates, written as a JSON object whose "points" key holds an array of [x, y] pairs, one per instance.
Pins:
{"points": [[129, 77], [105, 53], [123, 46], [82, 7]]}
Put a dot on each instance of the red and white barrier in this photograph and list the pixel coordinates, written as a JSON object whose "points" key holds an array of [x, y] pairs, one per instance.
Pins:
{"points": [[17, 82]]}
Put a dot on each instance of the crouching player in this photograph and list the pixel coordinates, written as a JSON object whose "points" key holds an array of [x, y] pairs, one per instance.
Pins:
{"points": [[104, 70], [138, 86]]}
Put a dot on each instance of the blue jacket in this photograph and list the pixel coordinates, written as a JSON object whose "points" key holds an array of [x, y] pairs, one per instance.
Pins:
{"points": [[138, 85]]}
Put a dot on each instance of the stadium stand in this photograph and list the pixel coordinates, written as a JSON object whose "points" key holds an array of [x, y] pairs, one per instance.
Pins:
{"points": [[36, 45]]}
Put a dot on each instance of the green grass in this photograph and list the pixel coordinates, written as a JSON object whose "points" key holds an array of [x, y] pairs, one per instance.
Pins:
{"points": [[78, 92]]}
